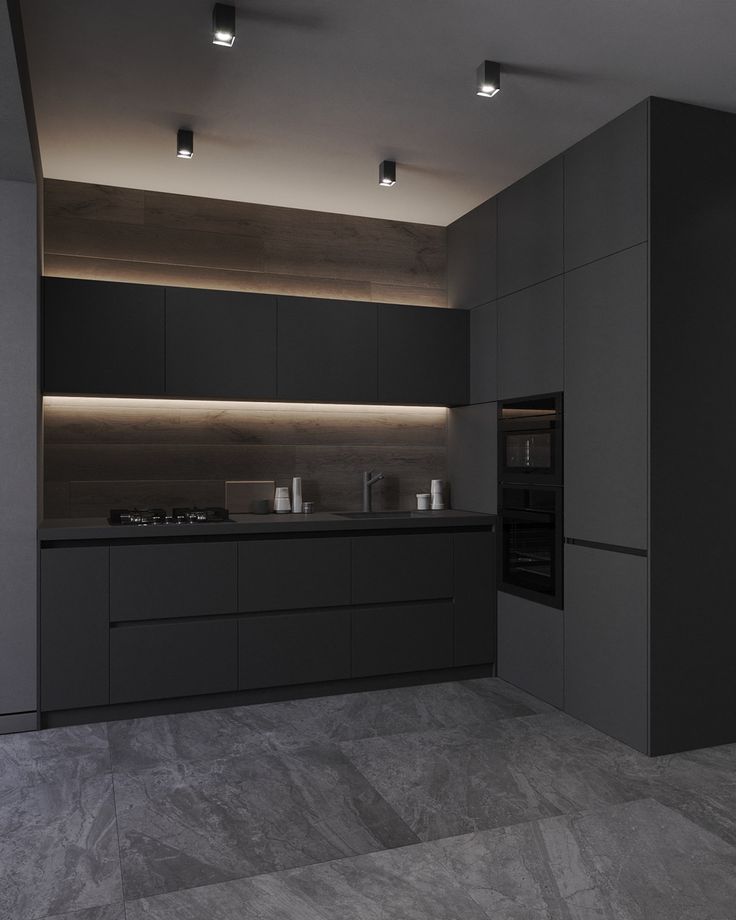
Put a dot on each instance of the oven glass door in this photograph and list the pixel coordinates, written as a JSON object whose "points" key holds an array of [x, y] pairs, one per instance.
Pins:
{"points": [[529, 451], [531, 543]]}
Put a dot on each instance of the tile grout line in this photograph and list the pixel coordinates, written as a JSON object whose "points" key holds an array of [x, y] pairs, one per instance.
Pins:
{"points": [[117, 823]]}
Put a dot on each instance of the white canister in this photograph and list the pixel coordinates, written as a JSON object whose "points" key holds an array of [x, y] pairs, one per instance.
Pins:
{"points": [[282, 504], [423, 501], [438, 498], [296, 492]]}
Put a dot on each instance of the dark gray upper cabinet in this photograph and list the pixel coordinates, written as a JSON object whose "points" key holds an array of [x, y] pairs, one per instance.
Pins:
{"points": [[471, 257], [530, 229], [606, 651], [483, 334], [606, 190], [74, 627], [327, 350], [220, 344], [103, 338], [151, 582], [606, 390], [531, 341], [422, 355]]}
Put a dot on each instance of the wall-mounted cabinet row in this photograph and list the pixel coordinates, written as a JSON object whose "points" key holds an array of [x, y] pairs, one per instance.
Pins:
{"points": [[126, 623], [108, 338]]}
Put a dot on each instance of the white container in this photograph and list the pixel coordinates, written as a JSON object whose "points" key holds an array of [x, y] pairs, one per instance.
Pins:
{"points": [[282, 504], [423, 499], [438, 498], [296, 493]]}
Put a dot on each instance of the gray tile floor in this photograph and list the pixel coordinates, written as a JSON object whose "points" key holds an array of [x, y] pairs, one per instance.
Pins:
{"points": [[452, 801]]}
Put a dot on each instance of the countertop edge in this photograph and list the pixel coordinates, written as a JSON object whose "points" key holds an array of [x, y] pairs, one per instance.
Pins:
{"points": [[98, 529]]}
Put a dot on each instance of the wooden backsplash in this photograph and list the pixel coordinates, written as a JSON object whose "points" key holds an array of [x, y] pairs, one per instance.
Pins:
{"points": [[117, 234], [98, 456], [101, 454]]}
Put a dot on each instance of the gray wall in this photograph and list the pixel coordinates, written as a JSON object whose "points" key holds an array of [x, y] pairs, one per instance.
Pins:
{"points": [[18, 399]]}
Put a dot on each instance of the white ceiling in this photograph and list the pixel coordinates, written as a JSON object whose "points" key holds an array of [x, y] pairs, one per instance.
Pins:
{"points": [[316, 92]]}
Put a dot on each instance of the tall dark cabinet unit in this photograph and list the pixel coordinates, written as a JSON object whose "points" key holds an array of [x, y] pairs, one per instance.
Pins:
{"points": [[638, 220]]}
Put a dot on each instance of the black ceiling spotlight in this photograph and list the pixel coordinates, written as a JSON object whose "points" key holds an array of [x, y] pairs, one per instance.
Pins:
{"points": [[223, 25], [185, 143], [488, 79], [387, 173]]}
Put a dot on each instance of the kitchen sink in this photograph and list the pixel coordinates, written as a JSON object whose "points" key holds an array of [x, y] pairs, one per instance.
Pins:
{"points": [[365, 515]]}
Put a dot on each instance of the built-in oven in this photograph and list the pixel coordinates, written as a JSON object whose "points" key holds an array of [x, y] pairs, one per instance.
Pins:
{"points": [[531, 542], [530, 440]]}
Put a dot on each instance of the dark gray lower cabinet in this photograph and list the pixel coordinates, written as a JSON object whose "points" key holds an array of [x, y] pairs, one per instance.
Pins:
{"points": [[293, 574], [401, 568], [530, 647], [155, 581], [276, 649], [160, 660], [474, 559], [402, 638], [157, 620], [606, 644], [74, 627]]}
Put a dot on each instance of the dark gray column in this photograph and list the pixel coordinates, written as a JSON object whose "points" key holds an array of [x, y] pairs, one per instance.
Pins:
{"points": [[18, 399]]}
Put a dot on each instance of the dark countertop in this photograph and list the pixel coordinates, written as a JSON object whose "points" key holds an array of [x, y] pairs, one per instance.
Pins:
{"points": [[255, 524]]}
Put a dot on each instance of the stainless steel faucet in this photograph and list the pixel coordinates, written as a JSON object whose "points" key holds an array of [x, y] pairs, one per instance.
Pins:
{"points": [[369, 479]]}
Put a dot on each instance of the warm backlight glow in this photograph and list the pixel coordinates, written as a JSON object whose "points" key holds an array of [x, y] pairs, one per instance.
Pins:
{"points": [[130, 402]]}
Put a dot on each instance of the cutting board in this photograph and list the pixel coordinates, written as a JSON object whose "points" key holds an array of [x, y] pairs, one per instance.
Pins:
{"points": [[241, 494]]}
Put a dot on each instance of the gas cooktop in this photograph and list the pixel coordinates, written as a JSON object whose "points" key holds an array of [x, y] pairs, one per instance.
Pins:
{"points": [[145, 517]]}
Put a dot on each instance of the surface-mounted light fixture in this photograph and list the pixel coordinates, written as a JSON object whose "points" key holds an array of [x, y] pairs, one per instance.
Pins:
{"points": [[387, 173], [185, 143], [223, 25], [488, 79]]}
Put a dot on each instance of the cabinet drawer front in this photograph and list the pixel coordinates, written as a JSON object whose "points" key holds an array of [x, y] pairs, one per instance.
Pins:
{"points": [[402, 568], [393, 640], [74, 627], [277, 649], [293, 574], [172, 580], [158, 660]]}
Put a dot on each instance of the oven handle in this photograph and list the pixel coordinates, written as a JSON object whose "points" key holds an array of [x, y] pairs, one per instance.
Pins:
{"points": [[547, 517]]}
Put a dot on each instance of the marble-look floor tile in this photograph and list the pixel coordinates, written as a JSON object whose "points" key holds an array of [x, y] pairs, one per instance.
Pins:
{"points": [[404, 884], [386, 712], [702, 785], [109, 912], [445, 783], [46, 756], [192, 824], [140, 744], [58, 847], [637, 861], [498, 691]]}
